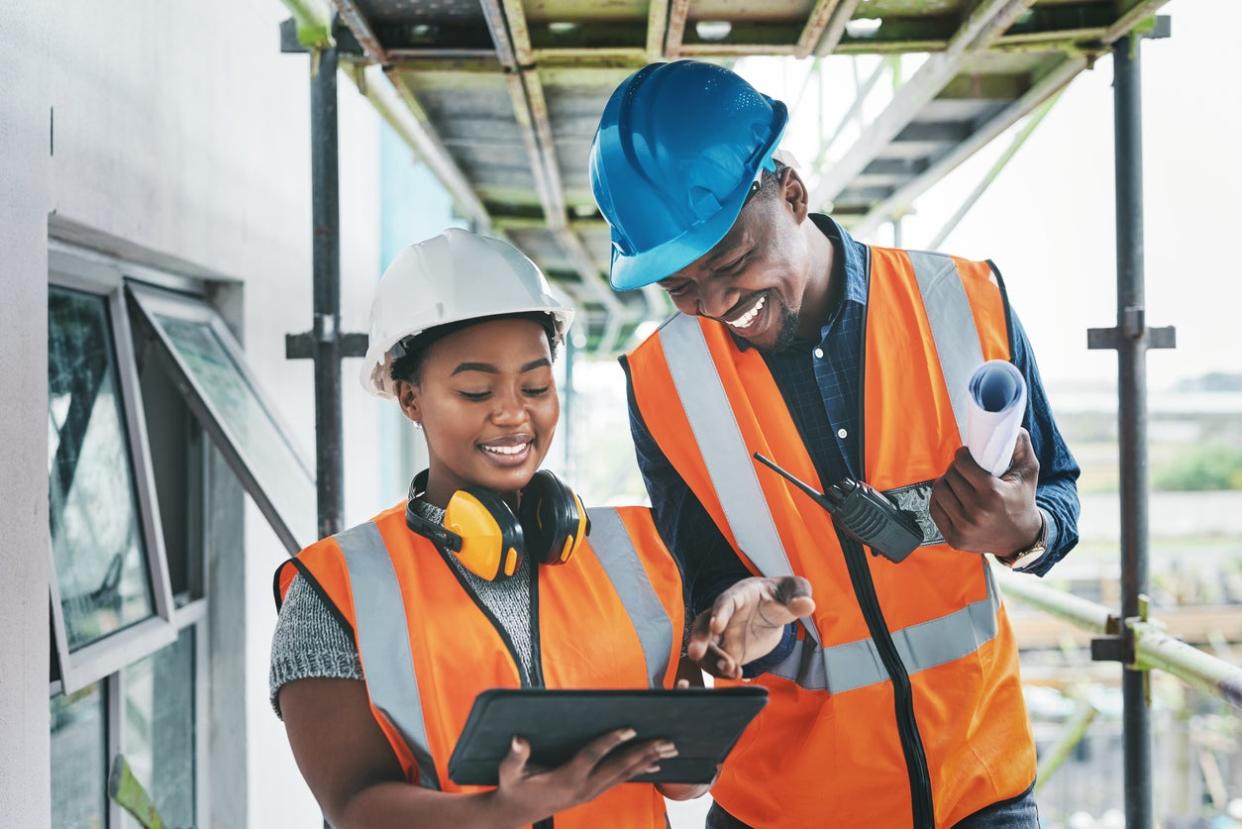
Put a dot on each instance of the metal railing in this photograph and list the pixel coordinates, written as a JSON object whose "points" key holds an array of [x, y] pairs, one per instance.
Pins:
{"points": [[1154, 648]]}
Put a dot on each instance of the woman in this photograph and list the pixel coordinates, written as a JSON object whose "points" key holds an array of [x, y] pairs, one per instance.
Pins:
{"points": [[428, 611]]}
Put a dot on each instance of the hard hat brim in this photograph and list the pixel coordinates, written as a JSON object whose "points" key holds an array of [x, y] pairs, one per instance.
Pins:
{"points": [[629, 273], [373, 374]]}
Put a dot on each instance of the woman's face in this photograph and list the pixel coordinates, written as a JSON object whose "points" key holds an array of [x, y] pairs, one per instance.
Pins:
{"points": [[488, 405]]}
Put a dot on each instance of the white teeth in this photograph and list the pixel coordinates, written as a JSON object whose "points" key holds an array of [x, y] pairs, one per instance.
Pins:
{"points": [[746, 319], [507, 450]]}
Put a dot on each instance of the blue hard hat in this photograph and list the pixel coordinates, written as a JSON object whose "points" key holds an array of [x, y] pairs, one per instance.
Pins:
{"points": [[674, 157]]}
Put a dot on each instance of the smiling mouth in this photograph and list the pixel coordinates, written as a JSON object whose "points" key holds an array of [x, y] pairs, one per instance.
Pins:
{"points": [[747, 317], [508, 452]]}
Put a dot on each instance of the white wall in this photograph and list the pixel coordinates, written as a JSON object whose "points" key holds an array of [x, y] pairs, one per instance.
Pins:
{"points": [[24, 790], [180, 130]]}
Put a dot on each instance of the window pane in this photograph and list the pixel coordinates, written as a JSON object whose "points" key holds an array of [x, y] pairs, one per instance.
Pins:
{"points": [[79, 761], [159, 729], [176, 445], [97, 543], [221, 392], [269, 456]]}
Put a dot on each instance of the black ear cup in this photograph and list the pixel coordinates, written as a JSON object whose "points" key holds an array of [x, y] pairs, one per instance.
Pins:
{"points": [[553, 519], [489, 540]]}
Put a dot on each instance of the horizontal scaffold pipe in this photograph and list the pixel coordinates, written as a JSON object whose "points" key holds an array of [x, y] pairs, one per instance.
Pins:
{"points": [[1154, 647], [1078, 611]]}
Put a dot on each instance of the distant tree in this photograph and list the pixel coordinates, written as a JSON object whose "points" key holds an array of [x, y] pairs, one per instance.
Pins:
{"points": [[1212, 381], [1202, 469]]}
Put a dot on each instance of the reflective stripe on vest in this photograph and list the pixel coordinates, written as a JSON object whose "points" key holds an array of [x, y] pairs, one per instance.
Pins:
{"points": [[733, 477], [724, 451], [952, 325], [383, 647], [615, 551], [928, 644]]}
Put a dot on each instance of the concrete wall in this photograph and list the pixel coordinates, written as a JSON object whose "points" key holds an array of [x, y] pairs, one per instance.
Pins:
{"points": [[24, 184], [181, 137]]}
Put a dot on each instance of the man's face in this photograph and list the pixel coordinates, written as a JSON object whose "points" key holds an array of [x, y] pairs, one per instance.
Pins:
{"points": [[754, 279]]}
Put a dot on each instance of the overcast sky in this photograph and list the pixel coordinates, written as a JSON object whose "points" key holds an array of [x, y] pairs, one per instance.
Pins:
{"points": [[1048, 221]]}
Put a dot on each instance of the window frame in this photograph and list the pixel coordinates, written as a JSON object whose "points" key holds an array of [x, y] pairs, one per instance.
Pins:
{"points": [[109, 659], [192, 615], [112, 652], [150, 300]]}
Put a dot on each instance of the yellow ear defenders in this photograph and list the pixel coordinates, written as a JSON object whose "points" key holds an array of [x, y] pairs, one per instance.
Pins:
{"points": [[489, 540]]}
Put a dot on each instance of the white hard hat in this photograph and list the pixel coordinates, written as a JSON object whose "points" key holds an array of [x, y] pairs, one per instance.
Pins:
{"points": [[453, 277]]}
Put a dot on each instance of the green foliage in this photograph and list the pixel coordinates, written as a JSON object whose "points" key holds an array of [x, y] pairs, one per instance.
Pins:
{"points": [[1202, 468]]}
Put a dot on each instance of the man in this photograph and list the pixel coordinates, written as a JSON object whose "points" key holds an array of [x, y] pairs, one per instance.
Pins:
{"points": [[897, 701]]}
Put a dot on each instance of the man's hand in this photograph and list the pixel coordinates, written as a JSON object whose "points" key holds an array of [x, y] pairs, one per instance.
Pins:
{"points": [[746, 622], [979, 513]]}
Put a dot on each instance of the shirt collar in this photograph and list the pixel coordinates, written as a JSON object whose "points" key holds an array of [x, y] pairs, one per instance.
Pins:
{"points": [[849, 262]]}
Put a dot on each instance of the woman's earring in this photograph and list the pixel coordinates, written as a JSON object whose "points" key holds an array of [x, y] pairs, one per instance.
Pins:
{"points": [[418, 424]]}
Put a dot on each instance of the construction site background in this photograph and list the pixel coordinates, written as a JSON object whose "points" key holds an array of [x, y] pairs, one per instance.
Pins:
{"points": [[175, 138]]}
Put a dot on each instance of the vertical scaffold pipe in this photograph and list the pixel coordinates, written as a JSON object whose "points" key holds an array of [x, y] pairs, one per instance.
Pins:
{"points": [[326, 266], [1132, 412]]}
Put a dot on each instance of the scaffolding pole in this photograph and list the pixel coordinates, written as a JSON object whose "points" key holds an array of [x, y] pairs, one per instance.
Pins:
{"points": [[326, 268], [1132, 416]]}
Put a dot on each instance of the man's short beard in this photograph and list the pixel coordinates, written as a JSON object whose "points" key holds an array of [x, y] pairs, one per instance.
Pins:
{"points": [[787, 329]]}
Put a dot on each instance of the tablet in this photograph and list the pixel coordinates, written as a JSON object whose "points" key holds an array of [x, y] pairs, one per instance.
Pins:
{"points": [[704, 723]]}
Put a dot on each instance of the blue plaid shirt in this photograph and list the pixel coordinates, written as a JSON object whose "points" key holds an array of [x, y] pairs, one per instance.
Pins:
{"points": [[819, 382]]}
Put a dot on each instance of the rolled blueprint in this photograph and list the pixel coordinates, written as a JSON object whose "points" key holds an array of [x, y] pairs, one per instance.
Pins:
{"points": [[997, 403]]}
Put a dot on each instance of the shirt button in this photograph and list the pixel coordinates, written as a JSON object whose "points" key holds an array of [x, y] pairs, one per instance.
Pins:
{"points": [[841, 433], [819, 354]]}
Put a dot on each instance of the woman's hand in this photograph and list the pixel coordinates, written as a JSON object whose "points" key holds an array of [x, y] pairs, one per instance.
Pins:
{"points": [[529, 794]]}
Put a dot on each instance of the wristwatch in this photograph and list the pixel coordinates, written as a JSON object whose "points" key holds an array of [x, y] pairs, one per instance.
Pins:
{"points": [[1024, 559]]}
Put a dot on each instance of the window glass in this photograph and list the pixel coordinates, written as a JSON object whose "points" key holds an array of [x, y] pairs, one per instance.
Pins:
{"points": [[79, 759], [222, 393], [97, 540], [159, 736], [176, 445], [260, 440]]}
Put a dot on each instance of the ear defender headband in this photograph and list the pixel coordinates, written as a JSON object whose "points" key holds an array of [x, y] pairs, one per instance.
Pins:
{"points": [[489, 540]]}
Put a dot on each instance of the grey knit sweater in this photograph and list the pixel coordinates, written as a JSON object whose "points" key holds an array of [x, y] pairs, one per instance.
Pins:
{"points": [[310, 642]]}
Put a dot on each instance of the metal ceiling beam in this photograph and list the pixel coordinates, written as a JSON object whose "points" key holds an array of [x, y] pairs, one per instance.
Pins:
{"points": [[357, 23], [657, 24], [515, 16], [676, 28], [816, 22], [987, 22], [900, 201], [530, 109], [854, 112], [552, 197], [1131, 19], [997, 167], [398, 106], [733, 50], [835, 30], [495, 18]]}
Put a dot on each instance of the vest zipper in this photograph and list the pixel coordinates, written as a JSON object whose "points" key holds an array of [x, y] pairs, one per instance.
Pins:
{"points": [[922, 806], [903, 694], [533, 679]]}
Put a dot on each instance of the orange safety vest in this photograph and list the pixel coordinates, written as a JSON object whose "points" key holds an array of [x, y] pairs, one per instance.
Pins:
{"points": [[612, 618], [901, 702]]}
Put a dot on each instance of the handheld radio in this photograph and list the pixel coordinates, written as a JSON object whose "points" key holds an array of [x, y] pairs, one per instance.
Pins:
{"points": [[864, 513]]}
